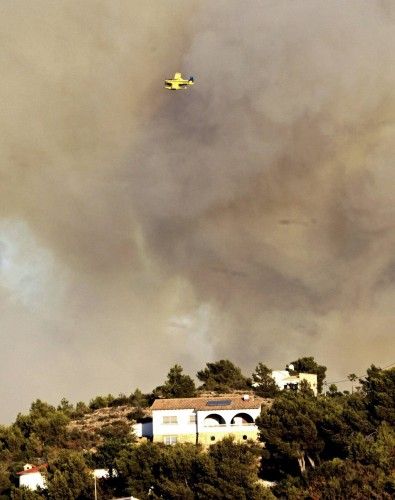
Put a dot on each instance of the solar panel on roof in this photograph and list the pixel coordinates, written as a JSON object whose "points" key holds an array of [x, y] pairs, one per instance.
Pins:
{"points": [[219, 402]]}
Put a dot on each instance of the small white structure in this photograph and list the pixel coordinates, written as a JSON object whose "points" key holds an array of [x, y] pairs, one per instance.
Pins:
{"points": [[143, 428], [205, 419], [101, 473], [104, 473], [31, 476], [284, 380]]}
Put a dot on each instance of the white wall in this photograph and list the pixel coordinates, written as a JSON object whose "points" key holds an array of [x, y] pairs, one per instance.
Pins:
{"points": [[143, 429], [282, 378], [183, 425], [32, 480], [101, 473]]}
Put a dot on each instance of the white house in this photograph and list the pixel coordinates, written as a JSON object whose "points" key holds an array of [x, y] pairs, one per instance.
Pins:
{"points": [[285, 380], [205, 419], [31, 476]]}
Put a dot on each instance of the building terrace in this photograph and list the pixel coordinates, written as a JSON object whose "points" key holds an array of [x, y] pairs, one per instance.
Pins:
{"points": [[206, 419]]}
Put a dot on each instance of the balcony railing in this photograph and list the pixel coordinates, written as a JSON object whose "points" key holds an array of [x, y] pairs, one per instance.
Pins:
{"points": [[244, 424]]}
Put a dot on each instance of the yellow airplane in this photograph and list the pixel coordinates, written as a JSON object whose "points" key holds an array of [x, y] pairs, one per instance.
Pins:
{"points": [[178, 82]]}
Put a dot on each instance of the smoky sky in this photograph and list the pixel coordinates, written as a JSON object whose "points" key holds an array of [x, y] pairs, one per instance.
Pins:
{"points": [[249, 217]]}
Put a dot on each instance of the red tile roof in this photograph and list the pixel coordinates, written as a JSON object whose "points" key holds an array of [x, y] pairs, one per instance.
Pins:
{"points": [[236, 402], [35, 468]]}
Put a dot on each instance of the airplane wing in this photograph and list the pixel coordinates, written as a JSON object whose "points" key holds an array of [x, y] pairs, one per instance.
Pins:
{"points": [[177, 76]]}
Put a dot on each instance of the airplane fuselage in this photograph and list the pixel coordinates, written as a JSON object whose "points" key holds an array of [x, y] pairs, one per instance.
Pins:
{"points": [[178, 83]]}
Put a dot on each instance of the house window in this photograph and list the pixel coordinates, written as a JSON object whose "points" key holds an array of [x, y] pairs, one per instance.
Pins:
{"points": [[192, 419], [170, 439], [170, 419]]}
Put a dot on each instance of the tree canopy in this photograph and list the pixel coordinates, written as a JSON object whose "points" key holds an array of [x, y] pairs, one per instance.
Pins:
{"points": [[339, 444], [263, 383], [228, 470], [177, 385], [222, 376]]}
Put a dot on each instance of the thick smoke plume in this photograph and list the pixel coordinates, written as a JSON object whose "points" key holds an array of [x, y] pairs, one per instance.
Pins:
{"points": [[249, 217]]}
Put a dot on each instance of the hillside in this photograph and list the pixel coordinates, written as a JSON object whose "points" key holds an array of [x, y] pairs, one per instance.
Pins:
{"points": [[333, 445], [94, 422]]}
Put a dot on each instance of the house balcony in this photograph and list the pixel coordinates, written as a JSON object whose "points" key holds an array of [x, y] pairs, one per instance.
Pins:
{"points": [[230, 426], [242, 421]]}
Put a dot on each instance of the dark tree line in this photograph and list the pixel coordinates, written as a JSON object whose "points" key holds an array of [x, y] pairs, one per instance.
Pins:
{"points": [[335, 446]]}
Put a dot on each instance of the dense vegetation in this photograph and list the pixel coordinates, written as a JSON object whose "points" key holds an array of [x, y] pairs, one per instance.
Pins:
{"points": [[336, 445]]}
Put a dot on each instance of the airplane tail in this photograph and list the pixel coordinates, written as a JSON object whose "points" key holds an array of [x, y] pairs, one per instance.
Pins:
{"points": [[191, 79]]}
